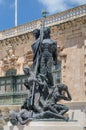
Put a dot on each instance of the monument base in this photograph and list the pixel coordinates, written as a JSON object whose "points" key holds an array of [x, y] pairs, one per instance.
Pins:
{"points": [[48, 125]]}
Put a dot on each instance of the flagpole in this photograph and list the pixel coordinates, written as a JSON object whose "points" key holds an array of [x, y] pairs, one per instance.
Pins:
{"points": [[16, 22]]}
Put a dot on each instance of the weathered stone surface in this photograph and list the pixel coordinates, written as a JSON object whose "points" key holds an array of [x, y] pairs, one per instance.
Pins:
{"points": [[70, 35], [48, 125]]}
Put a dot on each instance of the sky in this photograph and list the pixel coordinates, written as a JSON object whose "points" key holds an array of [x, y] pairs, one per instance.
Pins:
{"points": [[30, 10]]}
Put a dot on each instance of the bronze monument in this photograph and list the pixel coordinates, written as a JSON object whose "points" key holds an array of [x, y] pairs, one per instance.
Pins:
{"points": [[43, 95]]}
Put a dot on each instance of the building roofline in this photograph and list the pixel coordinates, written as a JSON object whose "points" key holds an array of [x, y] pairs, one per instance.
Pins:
{"points": [[53, 19]]}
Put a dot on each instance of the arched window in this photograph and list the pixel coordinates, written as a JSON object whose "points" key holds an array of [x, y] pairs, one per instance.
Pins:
{"points": [[11, 72]]}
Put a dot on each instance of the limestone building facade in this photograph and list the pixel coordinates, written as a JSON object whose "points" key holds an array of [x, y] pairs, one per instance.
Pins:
{"points": [[68, 28]]}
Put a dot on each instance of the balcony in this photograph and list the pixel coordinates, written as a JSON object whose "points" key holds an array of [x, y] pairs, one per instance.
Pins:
{"points": [[55, 19]]}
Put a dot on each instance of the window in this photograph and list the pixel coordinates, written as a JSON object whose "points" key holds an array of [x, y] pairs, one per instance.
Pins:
{"points": [[11, 72]]}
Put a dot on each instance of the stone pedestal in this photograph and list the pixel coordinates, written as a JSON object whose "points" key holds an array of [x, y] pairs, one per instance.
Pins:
{"points": [[48, 125]]}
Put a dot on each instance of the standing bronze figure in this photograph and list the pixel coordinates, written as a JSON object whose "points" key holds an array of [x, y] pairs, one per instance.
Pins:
{"points": [[43, 96]]}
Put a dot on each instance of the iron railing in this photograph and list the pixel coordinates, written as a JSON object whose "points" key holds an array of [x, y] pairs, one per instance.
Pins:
{"points": [[12, 90]]}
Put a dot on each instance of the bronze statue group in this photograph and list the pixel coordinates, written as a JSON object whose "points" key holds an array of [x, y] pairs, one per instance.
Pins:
{"points": [[43, 95]]}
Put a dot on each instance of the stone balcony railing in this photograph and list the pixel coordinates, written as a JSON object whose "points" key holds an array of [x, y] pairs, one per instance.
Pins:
{"points": [[50, 20]]}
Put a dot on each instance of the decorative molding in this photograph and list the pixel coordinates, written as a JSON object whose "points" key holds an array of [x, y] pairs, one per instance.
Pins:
{"points": [[28, 56], [52, 20], [10, 60]]}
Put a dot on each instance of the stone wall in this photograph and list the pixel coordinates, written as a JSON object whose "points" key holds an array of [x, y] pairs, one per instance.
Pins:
{"points": [[71, 36], [15, 52]]}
